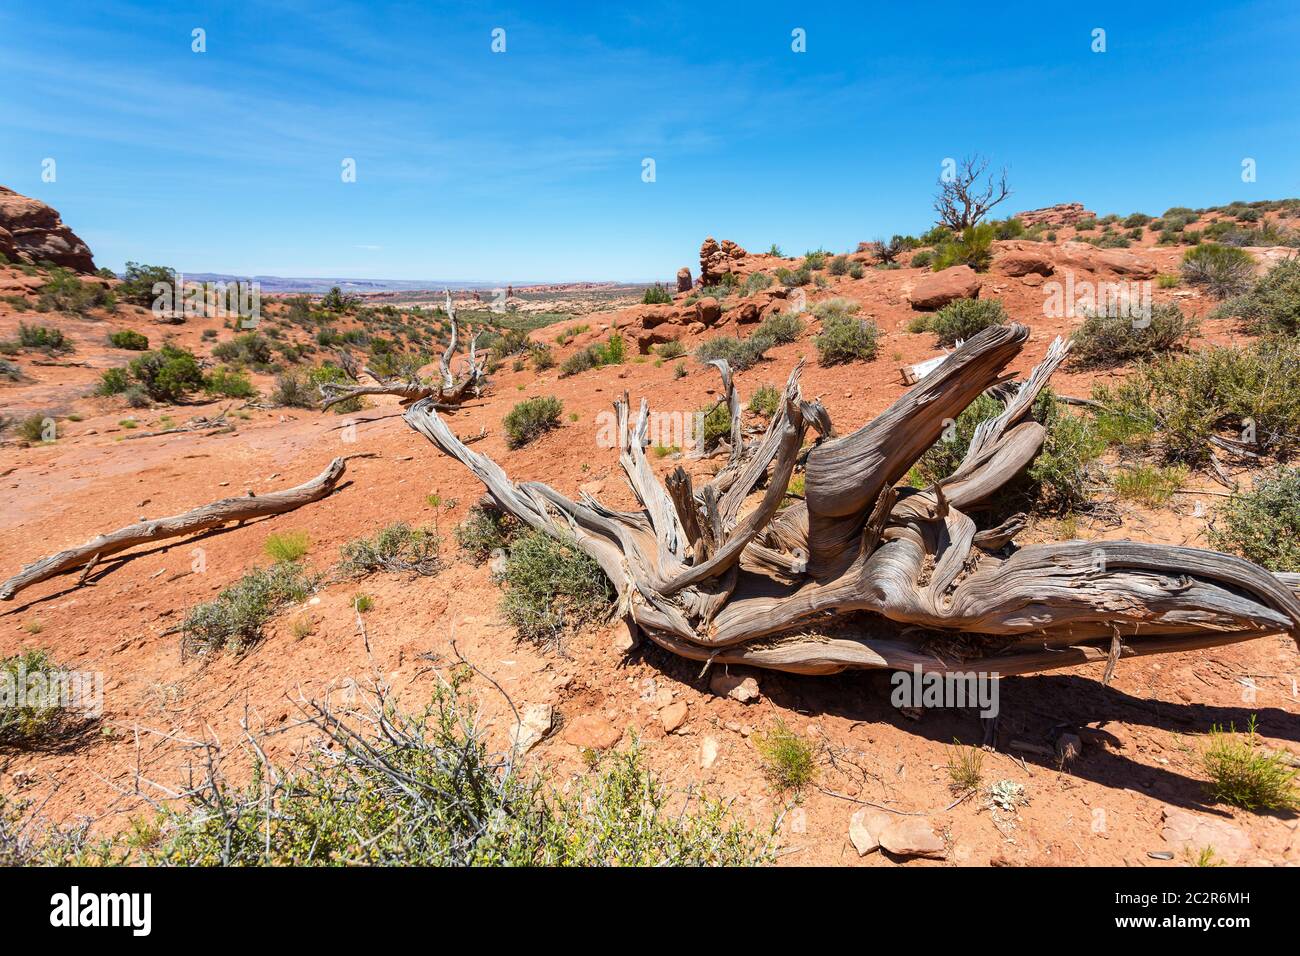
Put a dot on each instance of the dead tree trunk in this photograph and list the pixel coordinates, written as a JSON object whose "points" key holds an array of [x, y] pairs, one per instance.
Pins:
{"points": [[868, 573], [451, 391], [198, 519]]}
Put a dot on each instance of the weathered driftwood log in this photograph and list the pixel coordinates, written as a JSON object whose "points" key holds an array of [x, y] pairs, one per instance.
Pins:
{"points": [[867, 573], [198, 519], [450, 392]]}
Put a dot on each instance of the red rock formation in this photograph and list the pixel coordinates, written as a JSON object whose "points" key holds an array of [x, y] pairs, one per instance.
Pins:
{"points": [[939, 288], [1062, 214], [684, 279], [32, 232], [717, 259]]}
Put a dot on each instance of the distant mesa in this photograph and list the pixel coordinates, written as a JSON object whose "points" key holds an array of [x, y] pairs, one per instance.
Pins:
{"points": [[32, 232]]}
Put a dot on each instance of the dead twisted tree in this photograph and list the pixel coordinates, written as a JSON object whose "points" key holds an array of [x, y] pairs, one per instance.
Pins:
{"points": [[448, 392], [868, 573]]}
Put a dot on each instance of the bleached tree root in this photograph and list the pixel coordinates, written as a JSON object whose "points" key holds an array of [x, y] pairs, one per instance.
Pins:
{"points": [[198, 519], [868, 573]]}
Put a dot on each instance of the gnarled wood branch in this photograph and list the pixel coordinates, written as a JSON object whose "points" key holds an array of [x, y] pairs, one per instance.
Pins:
{"points": [[865, 572]]}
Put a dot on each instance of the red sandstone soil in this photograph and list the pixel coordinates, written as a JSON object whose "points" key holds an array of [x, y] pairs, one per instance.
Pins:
{"points": [[91, 480]]}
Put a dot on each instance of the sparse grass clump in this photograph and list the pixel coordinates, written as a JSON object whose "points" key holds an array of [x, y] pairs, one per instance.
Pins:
{"points": [[1244, 775], [530, 419], [1150, 485], [1263, 524], [552, 588], [484, 531], [788, 759], [234, 619], [36, 720], [1273, 303], [844, 337], [38, 428], [965, 768], [287, 546], [43, 339], [1104, 341], [959, 320], [130, 340], [765, 401], [397, 547], [1222, 271]]}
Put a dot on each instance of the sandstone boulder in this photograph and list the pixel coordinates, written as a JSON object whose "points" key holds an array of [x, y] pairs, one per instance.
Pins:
{"points": [[592, 732], [708, 311], [733, 685], [683, 279], [1023, 258], [32, 232], [1192, 832], [937, 289], [1082, 255]]}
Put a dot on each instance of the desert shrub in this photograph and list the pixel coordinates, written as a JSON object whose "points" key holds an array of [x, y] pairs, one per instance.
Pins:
{"points": [[543, 358], [10, 371], [484, 531], [129, 339], [287, 546], [1136, 220], [765, 401], [1243, 774], [1187, 399], [1011, 228], [922, 259], [335, 300], [530, 419], [1263, 524], [552, 588], [656, 295], [397, 547], [964, 318], [610, 352], [1272, 304], [974, 247], [942, 458], [40, 721], [844, 337], [670, 350], [755, 282], [64, 292], [1060, 478], [1104, 341], [229, 383], [1150, 485], [247, 348], [816, 259], [790, 278], [738, 353], [779, 328], [138, 281], [235, 618], [839, 266], [965, 768], [857, 272], [38, 428], [43, 338], [715, 426], [168, 374], [1222, 270], [788, 759]]}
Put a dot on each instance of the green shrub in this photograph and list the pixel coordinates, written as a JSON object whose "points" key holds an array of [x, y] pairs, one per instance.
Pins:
{"points": [[765, 401], [1187, 399], [1263, 524], [64, 292], [43, 338], [1272, 304], [128, 339], [289, 546], [484, 531], [974, 247], [397, 547], [611, 352], [942, 458], [922, 259], [738, 353], [37, 428], [1243, 774], [788, 759], [790, 278], [755, 282], [1104, 341], [335, 300], [1059, 478], [670, 350], [656, 295], [40, 721], [964, 318], [844, 338], [229, 383], [552, 588], [530, 419], [1222, 270], [247, 348], [168, 374], [138, 281], [839, 266], [779, 328], [234, 619]]}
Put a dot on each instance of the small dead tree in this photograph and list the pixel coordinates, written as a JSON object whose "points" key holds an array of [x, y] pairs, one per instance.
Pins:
{"points": [[961, 201], [450, 391], [865, 572]]}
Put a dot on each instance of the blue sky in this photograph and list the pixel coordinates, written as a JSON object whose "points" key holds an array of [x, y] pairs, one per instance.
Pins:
{"points": [[527, 165]]}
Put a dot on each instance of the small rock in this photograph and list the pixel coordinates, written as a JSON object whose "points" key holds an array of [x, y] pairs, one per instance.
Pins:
{"points": [[1191, 832], [864, 826], [735, 686], [593, 732], [624, 637], [913, 836], [673, 716], [708, 752], [535, 722], [497, 563]]}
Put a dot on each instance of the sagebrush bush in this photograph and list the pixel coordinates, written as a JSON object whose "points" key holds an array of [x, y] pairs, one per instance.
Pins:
{"points": [[65, 292], [1272, 304], [552, 588], [484, 531], [234, 619], [129, 339], [248, 348], [36, 720], [738, 353], [1104, 341], [396, 547], [670, 350], [531, 419], [43, 338], [779, 328], [1222, 270], [963, 318], [37, 427], [1263, 524], [846, 338], [942, 458], [611, 352]]}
